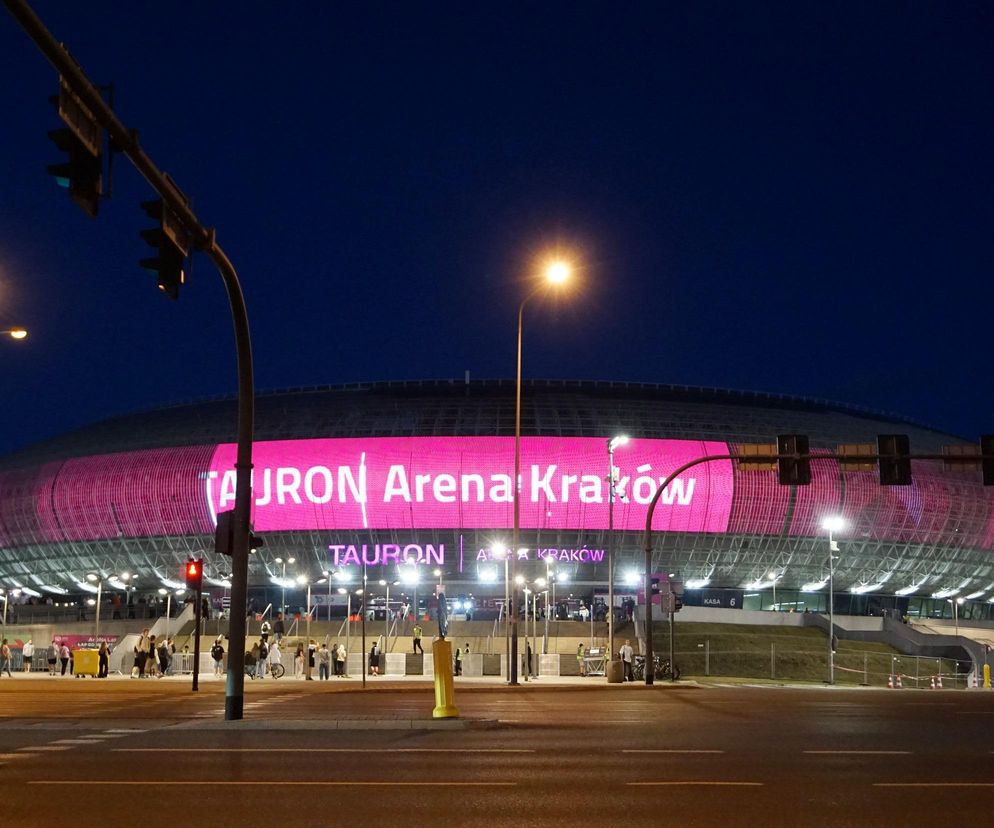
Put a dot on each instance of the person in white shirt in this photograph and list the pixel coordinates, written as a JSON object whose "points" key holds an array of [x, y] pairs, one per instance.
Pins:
{"points": [[28, 651], [626, 659]]}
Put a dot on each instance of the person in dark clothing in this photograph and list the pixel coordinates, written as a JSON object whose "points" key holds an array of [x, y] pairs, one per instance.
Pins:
{"points": [[103, 659], [278, 627]]}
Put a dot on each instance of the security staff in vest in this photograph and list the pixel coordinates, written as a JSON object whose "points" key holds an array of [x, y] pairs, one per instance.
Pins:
{"points": [[417, 639]]}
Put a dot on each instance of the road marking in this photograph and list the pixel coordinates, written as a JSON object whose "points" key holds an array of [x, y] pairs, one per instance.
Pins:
{"points": [[46, 747], [321, 750], [660, 750], [317, 783], [72, 742], [125, 730], [698, 782], [861, 752], [5, 756], [933, 784]]}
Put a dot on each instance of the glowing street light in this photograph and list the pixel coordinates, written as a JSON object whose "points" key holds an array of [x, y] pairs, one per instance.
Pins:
{"points": [[832, 524], [612, 479], [15, 333], [557, 272]]}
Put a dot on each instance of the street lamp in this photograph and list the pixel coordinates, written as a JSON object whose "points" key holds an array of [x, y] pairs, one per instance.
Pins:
{"points": [[957, 603], [556, 273], [301, 580], [386, 620], [500, 552], [773, 578], [832, 524], [169, 607], [283, 563], [612, 479], [15, 333]]}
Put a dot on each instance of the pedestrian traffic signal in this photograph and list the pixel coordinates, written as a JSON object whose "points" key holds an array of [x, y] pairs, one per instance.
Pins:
{"points": [[82, 141], [793, 470], [194, 574], [173, 244], [895, 459]]}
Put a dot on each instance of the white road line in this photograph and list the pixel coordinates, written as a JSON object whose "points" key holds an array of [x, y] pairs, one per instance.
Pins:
{"points": [[933, 784], [321, 750], [6, 756], [674, 750], [72, 742], [688, 783], [861, 752], [295, 783], [46, 747], [125, 730]]}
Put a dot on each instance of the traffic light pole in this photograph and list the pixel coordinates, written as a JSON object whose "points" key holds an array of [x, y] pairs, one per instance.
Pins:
{"points": [[197, 615], [126, 141]]}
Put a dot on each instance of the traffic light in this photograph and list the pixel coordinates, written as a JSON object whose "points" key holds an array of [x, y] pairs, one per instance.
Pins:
{"points": [[793, 471], [987, 462], [82, 140], [895, 459], [224, 533], [173, 244], [194, 574]]}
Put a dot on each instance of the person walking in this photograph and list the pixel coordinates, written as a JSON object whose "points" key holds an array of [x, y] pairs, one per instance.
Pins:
{"points": [[340, 657], [298, 661], [103, 660], [151, 658], [141, 652], [217, 653], [324, 662], [260, 664], [275, 654], [28, 653], [580, 661], [165, 657], [374, 659], [417, 633], [334, 659], [53, 658], [458, 658], [5, 658], [64, 657], [279, 628], [312, 650], [626, 659]]}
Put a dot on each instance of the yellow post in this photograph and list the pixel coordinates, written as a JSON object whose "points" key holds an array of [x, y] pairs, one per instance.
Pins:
{"points": [[987, 676], [445, 696]]}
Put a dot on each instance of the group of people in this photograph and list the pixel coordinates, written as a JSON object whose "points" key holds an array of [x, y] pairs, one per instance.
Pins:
{"points": [[152, 658]]}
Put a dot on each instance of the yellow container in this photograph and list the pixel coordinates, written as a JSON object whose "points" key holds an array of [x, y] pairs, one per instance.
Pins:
{"points": [[85, 662]]}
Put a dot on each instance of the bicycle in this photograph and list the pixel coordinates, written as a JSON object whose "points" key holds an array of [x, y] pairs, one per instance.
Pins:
{"points": [[661, 668], [275, 670]]}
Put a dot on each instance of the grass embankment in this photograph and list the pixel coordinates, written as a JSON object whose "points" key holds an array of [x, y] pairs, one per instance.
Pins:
{"points": [[791, 654]]}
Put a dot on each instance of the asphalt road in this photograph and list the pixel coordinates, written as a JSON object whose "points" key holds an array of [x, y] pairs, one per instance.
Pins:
{"points": [[531, 756]]}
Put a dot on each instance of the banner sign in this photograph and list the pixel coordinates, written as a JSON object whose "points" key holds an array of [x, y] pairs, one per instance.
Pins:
{"points": [[407, 483]]}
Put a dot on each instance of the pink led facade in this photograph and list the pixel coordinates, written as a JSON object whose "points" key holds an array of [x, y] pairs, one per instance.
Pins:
{"points": [[466, 482], [414, 483]]}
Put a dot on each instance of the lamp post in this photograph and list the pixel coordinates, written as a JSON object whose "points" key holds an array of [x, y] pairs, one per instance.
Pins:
{"points": [[500, 552], [92, 576], [556, 273], [283, 564], [773, 578], [15, 333], [301, 580], [956, 605], [169, 607], [833, 524], [612, 479]]}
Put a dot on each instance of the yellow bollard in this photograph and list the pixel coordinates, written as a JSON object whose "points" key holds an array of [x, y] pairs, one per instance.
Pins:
{"points": [[987, 676], [445, 696]]}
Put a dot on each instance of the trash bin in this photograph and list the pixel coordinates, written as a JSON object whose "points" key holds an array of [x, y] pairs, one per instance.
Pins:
{"points": [[615, 672], [85, 662]]}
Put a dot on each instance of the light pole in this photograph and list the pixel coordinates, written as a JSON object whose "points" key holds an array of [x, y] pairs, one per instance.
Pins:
{"points": [[386, 619], [833, 524], [501, 553], [283, 564], [543, 583], [327, 578], [773, 578], [612, 479], [15, 333], [169, 607], [92, 576], [956, 605], [556, 273], [301, 580]]}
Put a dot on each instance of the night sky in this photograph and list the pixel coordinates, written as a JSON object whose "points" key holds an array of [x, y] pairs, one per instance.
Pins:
{"points": [[788, 197]]}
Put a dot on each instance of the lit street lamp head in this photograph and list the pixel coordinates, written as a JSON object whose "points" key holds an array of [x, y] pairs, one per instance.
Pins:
{"points": [[558, 271], [833, 523], [15, 333]]}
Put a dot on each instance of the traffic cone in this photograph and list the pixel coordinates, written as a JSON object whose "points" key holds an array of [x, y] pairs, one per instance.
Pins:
{"points": [[890, 682], [899, 685], [932, 687]]}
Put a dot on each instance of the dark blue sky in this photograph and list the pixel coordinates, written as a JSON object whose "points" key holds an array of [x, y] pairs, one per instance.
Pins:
{"points": [[789, 197]]}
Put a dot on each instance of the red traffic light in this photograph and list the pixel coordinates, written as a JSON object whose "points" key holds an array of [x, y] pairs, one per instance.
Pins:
{"points": [[194, 573]]}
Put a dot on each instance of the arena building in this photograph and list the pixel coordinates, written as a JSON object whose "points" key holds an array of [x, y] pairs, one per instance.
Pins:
{"points": [[381, 474]]}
